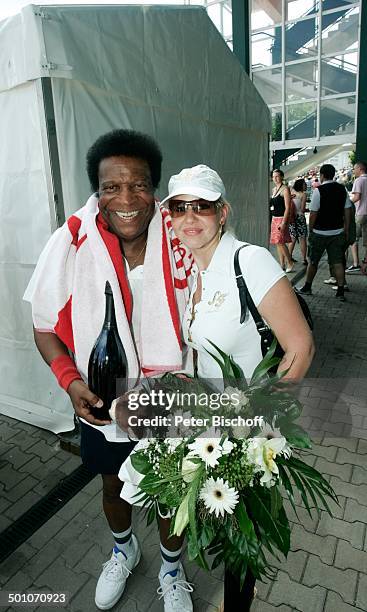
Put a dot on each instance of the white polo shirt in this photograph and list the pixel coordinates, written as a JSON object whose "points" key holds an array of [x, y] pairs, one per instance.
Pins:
{"points": [[217, 315]]}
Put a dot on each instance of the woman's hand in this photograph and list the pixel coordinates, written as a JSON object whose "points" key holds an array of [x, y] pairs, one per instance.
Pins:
{"points": [[83, 399]]}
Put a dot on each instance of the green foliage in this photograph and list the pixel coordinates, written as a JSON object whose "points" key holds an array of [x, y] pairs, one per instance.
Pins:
{"points": [[257, 522], [352, 157]]}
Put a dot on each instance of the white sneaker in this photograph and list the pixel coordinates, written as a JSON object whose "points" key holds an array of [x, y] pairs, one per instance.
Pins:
{"points": [[330, 281], [112, 581], [176, 591]]}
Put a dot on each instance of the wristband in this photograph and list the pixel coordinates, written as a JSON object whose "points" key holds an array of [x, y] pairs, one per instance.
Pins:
{"points": [[65, 370]]}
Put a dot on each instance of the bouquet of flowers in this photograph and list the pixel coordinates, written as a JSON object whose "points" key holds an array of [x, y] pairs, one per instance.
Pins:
{"points": [[226, 489]]}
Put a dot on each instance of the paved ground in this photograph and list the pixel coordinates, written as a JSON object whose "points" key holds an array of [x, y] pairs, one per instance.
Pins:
{"points": [[327, 568]]}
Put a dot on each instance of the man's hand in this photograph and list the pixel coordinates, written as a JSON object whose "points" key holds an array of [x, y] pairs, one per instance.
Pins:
{"points": [[83, 399]]}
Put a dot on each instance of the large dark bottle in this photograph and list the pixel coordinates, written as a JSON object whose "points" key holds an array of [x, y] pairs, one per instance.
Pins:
{"points": [[107, 367]]}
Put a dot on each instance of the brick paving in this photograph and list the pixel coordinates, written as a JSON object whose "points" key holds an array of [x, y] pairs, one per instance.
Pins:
{"points": [[326, 570]]}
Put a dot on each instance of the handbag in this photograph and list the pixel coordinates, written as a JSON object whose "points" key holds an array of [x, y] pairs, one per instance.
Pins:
{"points": [[246, 301]]}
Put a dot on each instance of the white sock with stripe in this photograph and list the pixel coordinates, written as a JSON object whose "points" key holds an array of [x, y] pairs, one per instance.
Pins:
{"points": [[170, 560], [123, 542]]}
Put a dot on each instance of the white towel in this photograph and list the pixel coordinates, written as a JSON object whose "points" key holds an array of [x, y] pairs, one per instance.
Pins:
{"points": [[67, 290]]}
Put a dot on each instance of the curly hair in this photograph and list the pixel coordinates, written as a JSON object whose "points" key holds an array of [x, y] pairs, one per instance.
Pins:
{"points": [[128, 143]]}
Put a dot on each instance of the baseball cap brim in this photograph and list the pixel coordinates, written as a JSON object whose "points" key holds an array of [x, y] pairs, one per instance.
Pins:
{"points": [[197, 192]]}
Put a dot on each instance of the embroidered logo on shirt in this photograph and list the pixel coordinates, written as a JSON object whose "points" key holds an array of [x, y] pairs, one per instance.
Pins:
{"points": [[218, 299]]}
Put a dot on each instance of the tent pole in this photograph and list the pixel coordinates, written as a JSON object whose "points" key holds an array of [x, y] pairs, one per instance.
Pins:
{"points": [[54, 160]]}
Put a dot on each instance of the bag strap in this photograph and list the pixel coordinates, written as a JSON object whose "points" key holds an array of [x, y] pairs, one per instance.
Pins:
{"points": [[246, 299]]}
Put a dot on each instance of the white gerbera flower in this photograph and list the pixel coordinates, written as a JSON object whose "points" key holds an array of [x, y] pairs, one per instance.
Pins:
{"points": [[218, 496], [269, 432], [207, 446]]}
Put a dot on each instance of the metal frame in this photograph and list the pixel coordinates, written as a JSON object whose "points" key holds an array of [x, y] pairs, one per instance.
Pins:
{"points": [[241, 26], [51, 154], [277, 145], [318, 98], [361, 106]]}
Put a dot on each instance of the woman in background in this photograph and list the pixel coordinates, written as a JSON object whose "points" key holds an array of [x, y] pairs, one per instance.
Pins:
{"points": [[298, 229], [280, 210]]}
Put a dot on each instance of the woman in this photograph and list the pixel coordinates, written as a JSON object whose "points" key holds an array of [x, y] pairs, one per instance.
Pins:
{"points": [[280, 210], [298, 229], [199, 212]]}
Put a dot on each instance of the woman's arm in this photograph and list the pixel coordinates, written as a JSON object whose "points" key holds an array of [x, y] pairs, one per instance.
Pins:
{"points": [[287, 201], [281, 311], [303, 201]]}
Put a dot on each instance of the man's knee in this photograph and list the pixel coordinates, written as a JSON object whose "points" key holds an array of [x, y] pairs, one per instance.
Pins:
{"points": [[112, 486]]}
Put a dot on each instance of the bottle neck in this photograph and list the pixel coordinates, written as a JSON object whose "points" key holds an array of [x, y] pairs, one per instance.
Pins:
{"points": [[110, 317]]}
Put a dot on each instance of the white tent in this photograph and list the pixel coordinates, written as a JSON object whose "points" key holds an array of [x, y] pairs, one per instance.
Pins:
{"points": [[69, 74]]}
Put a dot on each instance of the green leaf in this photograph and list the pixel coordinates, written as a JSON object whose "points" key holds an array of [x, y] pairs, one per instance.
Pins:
{"points": [[207, 535], [295, 434], [193, 554], [310, 491], [151, 514], [140, 462], [287, 485], [301, 489], [271, 527], [312, 474], [263, 368], [244, 521], [276, 502], [217, 560], [150, 484]]}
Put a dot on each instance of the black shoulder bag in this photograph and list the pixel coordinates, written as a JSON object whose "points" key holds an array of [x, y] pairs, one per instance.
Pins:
{"points": [[246, 301]]}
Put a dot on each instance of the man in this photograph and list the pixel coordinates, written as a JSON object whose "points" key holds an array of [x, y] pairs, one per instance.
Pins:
{"points": [[120, 235], [329, 228], [359, 197]]}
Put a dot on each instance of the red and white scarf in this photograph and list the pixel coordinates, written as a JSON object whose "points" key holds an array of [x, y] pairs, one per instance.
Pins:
{"points": [[67, 290]]}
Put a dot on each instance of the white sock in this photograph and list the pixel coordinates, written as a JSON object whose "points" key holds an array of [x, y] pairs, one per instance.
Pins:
{"points": [[170, 560], [123, 541]]}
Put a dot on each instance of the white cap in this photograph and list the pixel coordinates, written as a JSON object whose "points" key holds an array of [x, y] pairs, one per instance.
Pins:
{"points": [[199, 181]]}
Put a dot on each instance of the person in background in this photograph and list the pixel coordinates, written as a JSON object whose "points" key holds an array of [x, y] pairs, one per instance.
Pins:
{"points": [[331, 281], [329, 229], [298, 229], [280, 210], [359, 198]]}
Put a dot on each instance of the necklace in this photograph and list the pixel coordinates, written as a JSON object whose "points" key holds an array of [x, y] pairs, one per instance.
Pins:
{"points": [[132, 264]]}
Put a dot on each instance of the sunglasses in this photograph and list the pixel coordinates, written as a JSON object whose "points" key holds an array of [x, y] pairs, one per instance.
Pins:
{"points": [[204, 208]]}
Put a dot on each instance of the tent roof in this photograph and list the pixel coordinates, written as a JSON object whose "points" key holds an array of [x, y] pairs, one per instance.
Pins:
{"points": [[152, 55]]}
